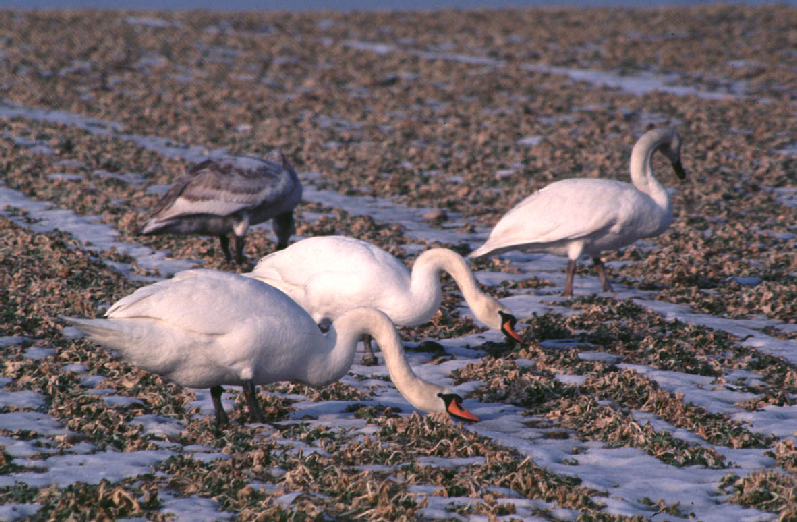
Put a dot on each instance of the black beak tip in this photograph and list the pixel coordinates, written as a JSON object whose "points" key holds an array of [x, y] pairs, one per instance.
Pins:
{"points": [[679, 170]]}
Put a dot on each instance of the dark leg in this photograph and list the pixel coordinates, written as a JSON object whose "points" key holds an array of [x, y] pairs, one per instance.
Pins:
{"points": [[369, 359], [571, 271], [221, 415], [284, 226], [239, 249], [607, 287], [255, 412], [225, 247]]}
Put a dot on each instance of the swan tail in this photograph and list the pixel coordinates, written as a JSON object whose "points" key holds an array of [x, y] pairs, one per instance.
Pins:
{"points": [[106, 332], [293, 291], [500, 247], [152, 226], [483, 250]]}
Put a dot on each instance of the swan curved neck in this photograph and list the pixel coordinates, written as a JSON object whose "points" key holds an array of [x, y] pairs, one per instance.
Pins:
{"points": [[641, 169], [425, 285], [346, 332]]}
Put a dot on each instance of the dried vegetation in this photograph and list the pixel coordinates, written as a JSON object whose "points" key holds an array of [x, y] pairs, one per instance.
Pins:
{"points": [[428, 132]]}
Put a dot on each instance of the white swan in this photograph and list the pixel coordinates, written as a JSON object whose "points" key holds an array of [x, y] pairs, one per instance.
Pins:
{"points": [[575, 217], [329, 275], [206, 328], [228, 194]]}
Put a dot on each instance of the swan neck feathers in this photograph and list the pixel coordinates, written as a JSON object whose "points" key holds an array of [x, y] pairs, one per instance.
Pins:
{"points": [[425, 281], [346, 332], [341, 343], [437, 260], [642, 175]]}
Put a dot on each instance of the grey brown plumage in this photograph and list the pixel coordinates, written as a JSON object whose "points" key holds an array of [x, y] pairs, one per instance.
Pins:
{"points": [[227, 195]]}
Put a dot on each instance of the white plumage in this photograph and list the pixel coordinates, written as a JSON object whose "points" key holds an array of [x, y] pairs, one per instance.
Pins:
{"points": [[576, 217], [227, 195], [206, 328], [329, 275]]}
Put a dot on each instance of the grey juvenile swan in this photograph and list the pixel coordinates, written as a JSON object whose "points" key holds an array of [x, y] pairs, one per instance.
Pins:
{"points": [[228, 194]]}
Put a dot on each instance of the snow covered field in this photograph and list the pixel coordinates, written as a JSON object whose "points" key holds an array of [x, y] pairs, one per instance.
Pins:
{"points": [[675, 397]]}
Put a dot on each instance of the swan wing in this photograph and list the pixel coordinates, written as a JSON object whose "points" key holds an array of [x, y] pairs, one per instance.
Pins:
{"points": [[208, 302], [329, 257], [328, 275], [295, 292], [227, 185], [568, 210]]}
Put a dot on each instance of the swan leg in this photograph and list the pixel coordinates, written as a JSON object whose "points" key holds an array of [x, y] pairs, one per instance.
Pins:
{"points": [[571, 272], [368, 359], [284, 226], [225, 247], [607, 286], [239, 249], [251, 400], [221, 415]]}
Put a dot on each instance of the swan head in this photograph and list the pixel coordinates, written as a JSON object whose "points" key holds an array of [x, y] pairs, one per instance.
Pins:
{"points": [[508, 322], [496, 316], [672, 149], [453, 406]]}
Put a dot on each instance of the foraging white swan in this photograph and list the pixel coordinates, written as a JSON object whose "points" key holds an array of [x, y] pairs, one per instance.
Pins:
{"points": [[228, 194], [587, 216], [207, 328], [328, 275]]}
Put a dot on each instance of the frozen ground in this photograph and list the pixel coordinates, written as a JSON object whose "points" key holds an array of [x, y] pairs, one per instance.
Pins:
{"points": [[41, 454], [606, 469]]}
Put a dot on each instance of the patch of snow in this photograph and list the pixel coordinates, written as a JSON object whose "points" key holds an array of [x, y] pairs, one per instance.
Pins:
{"points": [[148, 21], [159, 425], [193, 509], [37, 352], [11, 512], [65, 470]]}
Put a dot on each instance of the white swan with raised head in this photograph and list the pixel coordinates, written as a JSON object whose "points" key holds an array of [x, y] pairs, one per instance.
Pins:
{"points": [[585, 216]]}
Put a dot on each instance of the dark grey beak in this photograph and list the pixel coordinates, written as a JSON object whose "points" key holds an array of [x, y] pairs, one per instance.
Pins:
{"points": [[679, 170]]}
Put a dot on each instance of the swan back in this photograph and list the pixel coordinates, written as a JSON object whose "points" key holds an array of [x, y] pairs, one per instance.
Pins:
{"points": [[227, 186], [204, 328], [336, 274]]}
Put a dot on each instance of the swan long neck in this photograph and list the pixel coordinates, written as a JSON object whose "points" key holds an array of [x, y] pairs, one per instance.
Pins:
{"points": [[426, 275], [642, 171], [426, 278], [347, 330]]}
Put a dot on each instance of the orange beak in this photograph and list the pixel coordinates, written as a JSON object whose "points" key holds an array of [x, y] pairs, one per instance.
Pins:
{"points": [[456, 410], [509, 330]]}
